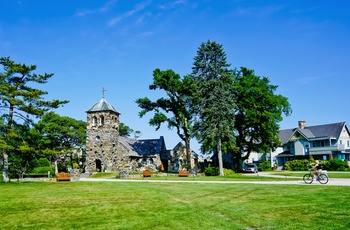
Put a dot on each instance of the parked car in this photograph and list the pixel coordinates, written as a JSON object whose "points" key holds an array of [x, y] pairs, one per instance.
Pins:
{"points": [[253, 168]]}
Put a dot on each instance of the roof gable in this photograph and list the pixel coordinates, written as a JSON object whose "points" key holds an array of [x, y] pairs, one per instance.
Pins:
{"points": [[325, 131], [345, 132]]}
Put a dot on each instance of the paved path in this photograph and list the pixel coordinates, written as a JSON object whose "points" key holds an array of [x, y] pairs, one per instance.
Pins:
{"points": [[331, 182]]}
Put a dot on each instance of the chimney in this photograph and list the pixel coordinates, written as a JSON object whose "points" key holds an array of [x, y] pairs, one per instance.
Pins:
{"points": [[302, 124]]}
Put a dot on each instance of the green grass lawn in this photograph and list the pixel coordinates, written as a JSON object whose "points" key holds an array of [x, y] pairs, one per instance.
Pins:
{"points": [[331, 174], [143, 205], [284, 175], [235, 177]]}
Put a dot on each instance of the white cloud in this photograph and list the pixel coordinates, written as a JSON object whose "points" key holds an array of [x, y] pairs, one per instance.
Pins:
{"points": [[172, 4], [307, 80], [259, 11], [147, 34], [102, 9], [114, 21], [139, 7], [305, 10]]}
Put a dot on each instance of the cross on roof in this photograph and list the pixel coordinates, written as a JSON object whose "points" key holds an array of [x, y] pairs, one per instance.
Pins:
{"points": [[103, 92]]}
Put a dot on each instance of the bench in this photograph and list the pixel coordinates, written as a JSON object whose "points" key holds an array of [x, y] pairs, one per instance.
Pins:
{"points": [[147, 173], [183, 173], [62, 176]]}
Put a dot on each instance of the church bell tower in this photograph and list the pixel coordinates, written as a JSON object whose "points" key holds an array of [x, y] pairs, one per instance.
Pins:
{"points": [[102, 133]]}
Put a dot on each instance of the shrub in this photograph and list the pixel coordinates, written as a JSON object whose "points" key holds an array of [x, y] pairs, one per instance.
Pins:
{"points": [[62, 168], [212, 171], [265, 166], [342, 168], [44, 170], [35, 163], [297, 165], [44, 162], [228, 172], [335, 165]]}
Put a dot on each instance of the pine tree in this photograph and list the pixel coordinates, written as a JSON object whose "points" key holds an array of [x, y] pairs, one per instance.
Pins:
{"points": [[213, 98], [20, 100]]}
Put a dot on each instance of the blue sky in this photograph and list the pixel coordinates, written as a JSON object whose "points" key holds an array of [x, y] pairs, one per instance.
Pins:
{"points": [[301, 46]]}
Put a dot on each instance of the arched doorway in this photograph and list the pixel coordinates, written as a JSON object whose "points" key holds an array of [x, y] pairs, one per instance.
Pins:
{"points": [[98, 165]]}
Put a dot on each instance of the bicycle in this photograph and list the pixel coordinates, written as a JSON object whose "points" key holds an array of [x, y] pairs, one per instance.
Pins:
{"points": [[322, 178]]}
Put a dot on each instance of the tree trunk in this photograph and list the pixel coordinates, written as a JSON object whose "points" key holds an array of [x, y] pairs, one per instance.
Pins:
{"points": [[5, 175], [221, 168], [5, 171], [188, 151], [239, 164]]}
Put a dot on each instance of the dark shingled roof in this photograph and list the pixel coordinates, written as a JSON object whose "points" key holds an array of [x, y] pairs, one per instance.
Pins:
{"points": [[102, 105], [142, 148], [314, 132]]}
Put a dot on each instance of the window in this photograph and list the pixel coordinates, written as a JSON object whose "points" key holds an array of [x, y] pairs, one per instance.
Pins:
{"points": [[151, 161], [144, 162], [348, 143], [102, 120], [94, 121]]}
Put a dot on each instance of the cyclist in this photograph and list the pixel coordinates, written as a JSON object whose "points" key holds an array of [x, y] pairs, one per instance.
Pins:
{"points": [[318, 168]]}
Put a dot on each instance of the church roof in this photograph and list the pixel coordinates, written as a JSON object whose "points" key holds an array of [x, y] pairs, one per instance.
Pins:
{"points": [[101, 106], [143, 148]]}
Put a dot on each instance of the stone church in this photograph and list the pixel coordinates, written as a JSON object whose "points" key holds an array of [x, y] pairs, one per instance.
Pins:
{"points": [[107, 151]]}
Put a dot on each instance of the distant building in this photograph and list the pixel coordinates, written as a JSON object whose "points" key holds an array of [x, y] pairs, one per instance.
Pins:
{"points": [[107, 151], [178, 160], [322, 142]]}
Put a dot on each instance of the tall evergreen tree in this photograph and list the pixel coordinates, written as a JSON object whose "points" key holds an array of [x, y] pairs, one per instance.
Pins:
{"points": [[213, 99], [174, 109], [19, 100]]}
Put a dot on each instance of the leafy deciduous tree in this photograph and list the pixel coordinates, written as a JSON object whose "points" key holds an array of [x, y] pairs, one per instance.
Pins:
{"points": [[58, 135], [177, 91], [126, 131], [258, 112]]}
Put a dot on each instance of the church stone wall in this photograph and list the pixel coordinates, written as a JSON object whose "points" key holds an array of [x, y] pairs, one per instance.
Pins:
{"points": [[102, 149]]}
